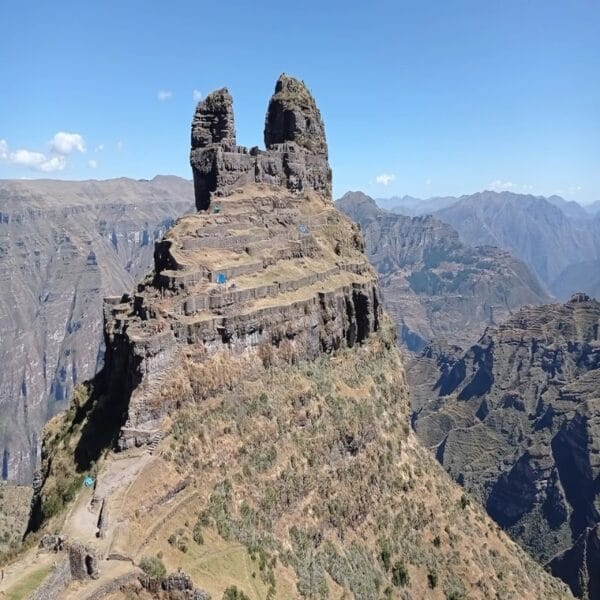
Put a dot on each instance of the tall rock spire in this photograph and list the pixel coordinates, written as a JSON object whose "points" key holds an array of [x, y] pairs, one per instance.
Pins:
{"points": [[293, 116], [213, 121], [296, 150]]}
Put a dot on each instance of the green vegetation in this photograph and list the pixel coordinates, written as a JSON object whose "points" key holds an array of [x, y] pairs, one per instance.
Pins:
{"points": [[400, 576], [179, 540], [25, 587], [232, 593], [432, 578], [153, 567]]}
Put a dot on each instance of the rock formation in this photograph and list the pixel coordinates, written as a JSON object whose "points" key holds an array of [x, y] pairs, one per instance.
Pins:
{"points": [[296, 149], [516, 420], [435, 286], [578, 565], [64, 245], [253, 411]]}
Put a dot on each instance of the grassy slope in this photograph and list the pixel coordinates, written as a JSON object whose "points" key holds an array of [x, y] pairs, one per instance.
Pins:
{"points": [[307, 482]]}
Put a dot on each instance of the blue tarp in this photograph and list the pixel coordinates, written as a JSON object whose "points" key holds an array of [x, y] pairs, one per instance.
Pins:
{"points": [[88, 481], [221, 278]]}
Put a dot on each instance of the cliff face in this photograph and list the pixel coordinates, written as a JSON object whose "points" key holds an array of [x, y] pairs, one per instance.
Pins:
{"points": [[435, 286], [250, 425], [269, 272], [64, 245], [515, 419]]}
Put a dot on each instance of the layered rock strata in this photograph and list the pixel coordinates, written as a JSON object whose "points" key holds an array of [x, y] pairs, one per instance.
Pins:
{"points": [[516, 420], [270, 267]]}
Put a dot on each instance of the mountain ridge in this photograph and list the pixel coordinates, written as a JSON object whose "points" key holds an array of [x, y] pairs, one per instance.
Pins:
{"points": [[433, 284]]}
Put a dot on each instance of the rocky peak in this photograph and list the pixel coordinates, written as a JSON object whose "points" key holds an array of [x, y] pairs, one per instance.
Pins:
{"points": [[213, 121], [293, 116], [296, 154]]}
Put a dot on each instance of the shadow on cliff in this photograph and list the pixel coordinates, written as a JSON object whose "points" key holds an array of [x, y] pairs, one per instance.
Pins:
{"points": [[99, 419], [103, 416]]}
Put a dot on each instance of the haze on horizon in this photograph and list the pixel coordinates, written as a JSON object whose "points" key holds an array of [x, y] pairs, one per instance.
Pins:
{"points": [[419, 98]]}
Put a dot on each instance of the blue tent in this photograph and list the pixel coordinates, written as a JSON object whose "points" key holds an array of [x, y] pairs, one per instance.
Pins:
{"points": [[221, 278], [88, 481]]}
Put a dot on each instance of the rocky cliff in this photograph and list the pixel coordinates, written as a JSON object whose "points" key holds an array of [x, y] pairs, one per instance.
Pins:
{"points": [[434, 285], [515, 420], [63, 246], [296, 150], [250, 426]]}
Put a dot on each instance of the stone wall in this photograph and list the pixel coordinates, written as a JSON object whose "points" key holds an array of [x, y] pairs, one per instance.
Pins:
{"points": [[296, 150]]}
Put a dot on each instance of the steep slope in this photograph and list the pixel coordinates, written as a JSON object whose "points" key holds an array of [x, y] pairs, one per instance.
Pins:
{"points": [[64, 245], [515, 420], [433, 285], [257, 399], [532, 229]]}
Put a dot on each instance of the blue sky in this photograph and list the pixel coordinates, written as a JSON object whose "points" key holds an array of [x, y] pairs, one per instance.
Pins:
{"points": [[422, 98]]}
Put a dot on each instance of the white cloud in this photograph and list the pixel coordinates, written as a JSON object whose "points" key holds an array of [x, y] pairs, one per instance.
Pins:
{"points": [[165, 95], [37, 161], [385, 178], [64, 143], [499, 185], [99, 148], [197, 95], [92, 164]]}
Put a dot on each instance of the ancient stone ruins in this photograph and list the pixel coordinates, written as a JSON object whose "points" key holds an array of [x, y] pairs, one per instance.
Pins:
{"points": [[296, 154], [266, 266]]}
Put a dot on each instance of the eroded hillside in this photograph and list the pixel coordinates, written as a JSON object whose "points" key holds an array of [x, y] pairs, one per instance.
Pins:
{"points": [[515, 420], [250, 427], [65, 245], [434, 285]]}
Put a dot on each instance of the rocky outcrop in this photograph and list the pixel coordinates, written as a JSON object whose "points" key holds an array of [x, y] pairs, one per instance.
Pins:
{"points": [[435, 286], [578, 565], [259, 357], [272, 268], [256, 277], [83, 562], [64, 245], [516, 420], [296, 150]]}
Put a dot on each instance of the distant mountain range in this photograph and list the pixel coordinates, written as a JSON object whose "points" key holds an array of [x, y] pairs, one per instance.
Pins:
{"points": [[64, 246], [412, 206], [434, 285], [559, 240]]}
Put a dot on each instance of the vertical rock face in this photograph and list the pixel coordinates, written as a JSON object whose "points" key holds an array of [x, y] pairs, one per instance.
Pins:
{"points": [[293, 116], [64, 245], [274, 269], [296, 154], [516, 420], [213, 121]]}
